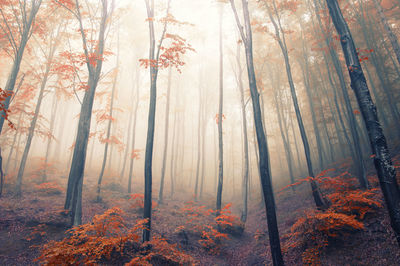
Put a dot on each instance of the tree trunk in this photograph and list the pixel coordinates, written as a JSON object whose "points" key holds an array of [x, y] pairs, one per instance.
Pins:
{"points": [[73, 201], [110, 118], [392, 37], [319, 200], [148, 174], [25, 35], [264, 166], [128, 136], [33, 126], [220, 116], [382, 160], [164, 162], [245, 179], [196, 185], [357, 155], [52, 120], [136, 104]]}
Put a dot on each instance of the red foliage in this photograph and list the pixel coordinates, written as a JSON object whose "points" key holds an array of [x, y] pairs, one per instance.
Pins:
{"points": [[171, 55], [50, 188], [106, 237], [349, 207], [201, 221], [3, 96], [138, 201]]}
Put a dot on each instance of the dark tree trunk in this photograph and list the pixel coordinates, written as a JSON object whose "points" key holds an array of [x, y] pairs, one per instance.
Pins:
{"points": [[148, 173], [265, 174], [382, 160], [319, 200], [73, 201], [357, 153]]}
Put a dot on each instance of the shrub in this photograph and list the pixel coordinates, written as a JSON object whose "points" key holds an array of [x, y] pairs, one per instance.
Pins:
{"points": [[49, 188], [107, 238], [137, 201], [349, 206], [314, 231], [211, 230], [88, 243]]}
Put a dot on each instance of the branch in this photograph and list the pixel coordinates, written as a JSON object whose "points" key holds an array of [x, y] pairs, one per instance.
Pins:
{"points": [[240, 27]]}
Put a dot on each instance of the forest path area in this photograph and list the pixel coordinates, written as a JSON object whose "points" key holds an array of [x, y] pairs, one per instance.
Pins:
{"points": [[28, 222]]}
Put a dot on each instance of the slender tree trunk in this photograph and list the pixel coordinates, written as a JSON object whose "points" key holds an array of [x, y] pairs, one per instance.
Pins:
{"points": [[73, 201], [133, 140], [265, 174], [52, 120], [220, 117], [128, 139], [25, 35], [33, 125], [245, 179], [319, 200], [392, 37], [382, 160], [196, 185], [13, 144], [110, 120], [357, 156], [148, 174], [164, 162]]}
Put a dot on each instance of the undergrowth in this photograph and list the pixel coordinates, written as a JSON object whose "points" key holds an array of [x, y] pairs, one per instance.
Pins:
{"points": [[315, 231], [107, 239]]}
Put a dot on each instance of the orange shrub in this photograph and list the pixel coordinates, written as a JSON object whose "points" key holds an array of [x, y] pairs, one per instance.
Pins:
{"points": [[212, 230], [49, 188], [348, 208], [137, 201], [107, 239], [313, 232], [88, 243]]}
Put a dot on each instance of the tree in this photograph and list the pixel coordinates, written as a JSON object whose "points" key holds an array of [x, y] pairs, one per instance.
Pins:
{"points": [[93, 59], [382, 160], [245, 179], [319, 200], [18, 39], [53, 42], [220, 116], [392, 37], [110, 121], [264, 167], [153, 60], [164, 162], [170, 56]]}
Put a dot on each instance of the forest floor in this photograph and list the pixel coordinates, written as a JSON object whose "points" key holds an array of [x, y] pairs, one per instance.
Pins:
{"points": [[30, 221]]}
